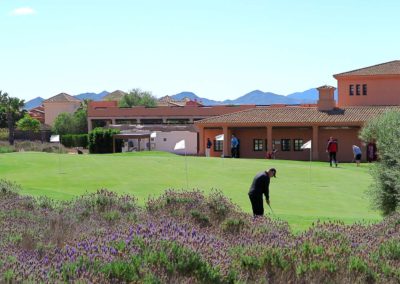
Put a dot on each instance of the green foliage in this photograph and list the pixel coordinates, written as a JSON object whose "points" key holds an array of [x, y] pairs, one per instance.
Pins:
{"points": [[202, 219], [233, 226], [111, 216], [27, 123], [390, 250], [9, 188], [385, 191], [8, 276], [11, 110], [76, 123], [101, 141], [137, 97], [75, 140], [64, 124], [4, 134]]}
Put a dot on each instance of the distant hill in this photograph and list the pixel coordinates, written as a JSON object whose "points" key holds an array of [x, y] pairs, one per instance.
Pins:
{"points": [[261, 98], [33, 103], [193, 97], [308, 97], [92, 96]]}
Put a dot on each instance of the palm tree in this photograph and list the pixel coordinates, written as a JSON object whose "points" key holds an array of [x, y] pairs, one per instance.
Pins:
{"points": [[12, 107]]}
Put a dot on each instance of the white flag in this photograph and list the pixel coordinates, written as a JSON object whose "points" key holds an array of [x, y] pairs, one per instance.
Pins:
{"points": [[306, 145], [180, 145], [55, 138], [219, 137]]}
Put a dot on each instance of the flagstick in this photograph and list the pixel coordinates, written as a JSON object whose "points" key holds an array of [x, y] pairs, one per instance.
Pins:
{"points": [[187, 180], [309, 171]]}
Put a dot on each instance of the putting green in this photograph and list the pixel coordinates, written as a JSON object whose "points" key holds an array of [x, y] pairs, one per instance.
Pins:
{"points": [[302, 192]]}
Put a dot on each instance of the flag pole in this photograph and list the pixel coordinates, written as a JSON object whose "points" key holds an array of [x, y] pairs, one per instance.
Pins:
{"points": [[309, 171], [186, 169]]}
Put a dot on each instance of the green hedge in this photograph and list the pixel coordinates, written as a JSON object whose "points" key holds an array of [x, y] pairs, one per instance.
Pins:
{"points": [[101, 141], [75, 140]]}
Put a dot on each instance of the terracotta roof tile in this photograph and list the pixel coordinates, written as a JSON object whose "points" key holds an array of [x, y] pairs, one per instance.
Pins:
{"points": [[388, 68], [62, 97], [295, 114]]}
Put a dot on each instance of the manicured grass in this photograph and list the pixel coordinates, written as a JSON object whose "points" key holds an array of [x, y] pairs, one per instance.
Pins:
{"points": [[301, 193]]}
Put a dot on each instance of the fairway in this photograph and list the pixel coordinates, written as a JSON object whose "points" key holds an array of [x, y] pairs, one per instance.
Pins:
{"points": [[301, 193]]}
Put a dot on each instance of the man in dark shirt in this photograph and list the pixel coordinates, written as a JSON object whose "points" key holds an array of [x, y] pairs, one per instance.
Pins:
{"points": [[259, 187]]}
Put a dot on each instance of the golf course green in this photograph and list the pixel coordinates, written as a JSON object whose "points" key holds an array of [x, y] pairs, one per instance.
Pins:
{"points": [[302, 193]]}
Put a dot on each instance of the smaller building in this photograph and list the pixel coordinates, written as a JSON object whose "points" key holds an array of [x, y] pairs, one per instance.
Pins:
{"points": [[59, 104]]}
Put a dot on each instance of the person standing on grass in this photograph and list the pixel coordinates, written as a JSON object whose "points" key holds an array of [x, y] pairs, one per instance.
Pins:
{"points": [[208, 147], [260, 186], [332, 148], [234, 146], [357, 154]]}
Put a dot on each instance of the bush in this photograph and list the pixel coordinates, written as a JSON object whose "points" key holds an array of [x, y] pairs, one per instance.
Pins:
{"points": [[74, 140], [385, 191], [38, 146], [101, 141], [4, 134], [9, 188]]}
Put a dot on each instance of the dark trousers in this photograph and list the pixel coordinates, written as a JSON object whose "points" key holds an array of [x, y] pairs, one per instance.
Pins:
{"points": [[332, 158], [257, 205], [234, 152]]}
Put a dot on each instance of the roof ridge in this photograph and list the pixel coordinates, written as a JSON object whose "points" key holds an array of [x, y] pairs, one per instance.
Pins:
{"points": [[364, 68]]}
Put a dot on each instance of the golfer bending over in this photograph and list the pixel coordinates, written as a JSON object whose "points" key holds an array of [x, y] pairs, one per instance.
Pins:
{"points": [[259, 187]]}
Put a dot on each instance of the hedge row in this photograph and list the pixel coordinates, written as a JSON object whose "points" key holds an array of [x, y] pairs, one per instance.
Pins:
{"points": [[101, 141], [75, 140]]}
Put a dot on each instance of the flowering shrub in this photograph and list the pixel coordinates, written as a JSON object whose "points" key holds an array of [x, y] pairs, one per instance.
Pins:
{"points": [[182, 237]]}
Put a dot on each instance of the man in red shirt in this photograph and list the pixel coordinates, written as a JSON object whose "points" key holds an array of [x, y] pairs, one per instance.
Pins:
{"points": [[332, 148]]}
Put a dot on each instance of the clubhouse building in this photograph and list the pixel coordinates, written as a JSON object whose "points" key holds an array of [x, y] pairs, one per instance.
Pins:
{"points": [[362, 95]]}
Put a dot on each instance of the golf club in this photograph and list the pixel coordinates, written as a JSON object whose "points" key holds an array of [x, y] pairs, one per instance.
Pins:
{"points": [[271, 209]]}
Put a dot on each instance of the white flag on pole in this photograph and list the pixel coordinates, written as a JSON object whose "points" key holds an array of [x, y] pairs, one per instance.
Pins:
{"points": [[219, 137], [55, 138], [180, 145], [306, 145]]}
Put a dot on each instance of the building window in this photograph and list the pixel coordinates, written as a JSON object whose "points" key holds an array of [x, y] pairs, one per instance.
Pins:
{"points": [[266, 145], [297, 143], [165, 139], [285, 144], [218, 145], [258, 144], [351, 90], [358, 90], [364, 89]]}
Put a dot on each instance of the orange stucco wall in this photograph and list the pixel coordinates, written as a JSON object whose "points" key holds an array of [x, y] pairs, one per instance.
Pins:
{"points": [[346, 138], [381, 90]]}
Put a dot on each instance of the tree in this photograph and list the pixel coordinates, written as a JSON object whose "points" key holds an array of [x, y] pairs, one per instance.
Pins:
{"points": [[12, 109], [28, 123], [137, 97], [64, 124], [385, 190]]}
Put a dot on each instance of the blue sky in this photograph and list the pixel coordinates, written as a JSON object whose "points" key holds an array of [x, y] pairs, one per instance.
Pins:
{"points": [[219, 49]]}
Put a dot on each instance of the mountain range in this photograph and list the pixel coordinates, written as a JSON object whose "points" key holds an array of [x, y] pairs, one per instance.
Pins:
{"points": [[254, 97]]}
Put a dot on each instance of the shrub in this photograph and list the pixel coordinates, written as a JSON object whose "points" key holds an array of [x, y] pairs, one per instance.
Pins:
{"points": [[74, 140], [233, 226], [9, 188], [3, 134], [101, 141], [385, 191]]}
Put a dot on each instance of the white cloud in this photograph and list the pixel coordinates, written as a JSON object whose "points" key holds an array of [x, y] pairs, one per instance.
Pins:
{"points": [[23, 11]]}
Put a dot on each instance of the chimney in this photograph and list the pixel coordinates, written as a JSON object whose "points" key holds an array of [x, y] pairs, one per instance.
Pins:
{"points": [[326, 98]]}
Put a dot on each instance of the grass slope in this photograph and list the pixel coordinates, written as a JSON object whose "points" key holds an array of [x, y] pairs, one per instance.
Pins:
{"points": [[296, 195]]}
